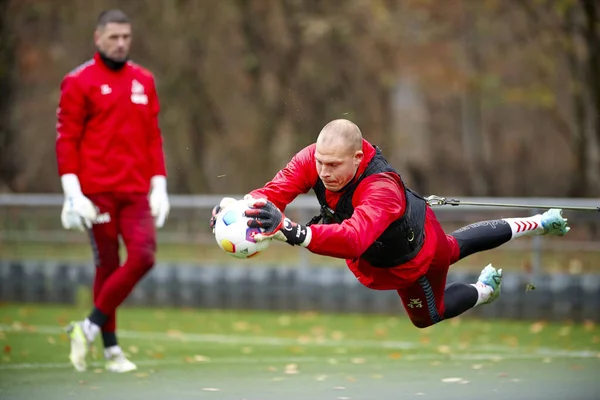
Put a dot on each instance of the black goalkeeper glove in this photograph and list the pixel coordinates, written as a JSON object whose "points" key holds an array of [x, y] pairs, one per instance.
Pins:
{"points": [[275, 225]]}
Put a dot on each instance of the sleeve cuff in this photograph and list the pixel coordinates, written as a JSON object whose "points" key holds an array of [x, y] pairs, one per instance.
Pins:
{"points": [[308, 238]]}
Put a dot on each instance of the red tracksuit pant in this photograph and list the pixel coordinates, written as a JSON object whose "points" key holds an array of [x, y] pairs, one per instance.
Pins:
{"points": [[126, 215]]}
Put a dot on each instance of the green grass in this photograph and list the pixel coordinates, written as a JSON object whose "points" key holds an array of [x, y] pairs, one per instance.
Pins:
{"points": [[188, 353]]}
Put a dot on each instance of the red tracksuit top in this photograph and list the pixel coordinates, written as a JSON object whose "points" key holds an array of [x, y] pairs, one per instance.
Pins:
{"points": [[107, 130], [378, 201]]}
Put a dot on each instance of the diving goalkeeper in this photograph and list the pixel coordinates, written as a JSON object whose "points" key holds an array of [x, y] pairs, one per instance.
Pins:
{"points": [[387, 233]]}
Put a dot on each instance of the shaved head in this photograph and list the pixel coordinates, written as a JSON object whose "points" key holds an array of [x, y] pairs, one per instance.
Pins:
{"points": [[338, 153], [343, 133]]}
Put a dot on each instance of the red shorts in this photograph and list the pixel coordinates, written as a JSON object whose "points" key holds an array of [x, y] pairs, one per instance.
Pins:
{"points": [[421, 281]]}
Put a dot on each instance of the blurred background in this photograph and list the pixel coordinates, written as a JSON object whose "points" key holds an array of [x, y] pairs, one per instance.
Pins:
{"points": [[489, 100], [471, 98]]}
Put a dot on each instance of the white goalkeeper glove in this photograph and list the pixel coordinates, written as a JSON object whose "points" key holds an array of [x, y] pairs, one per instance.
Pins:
{"points": [[78, 211], [159, 200]]}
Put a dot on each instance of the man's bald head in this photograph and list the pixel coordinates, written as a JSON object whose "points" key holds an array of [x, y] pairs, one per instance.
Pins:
{"points": [[343, 133], [338, 153]]}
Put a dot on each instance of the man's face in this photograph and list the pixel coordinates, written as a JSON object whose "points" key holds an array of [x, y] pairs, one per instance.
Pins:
{"points": [[114, 40], [336, 164]]}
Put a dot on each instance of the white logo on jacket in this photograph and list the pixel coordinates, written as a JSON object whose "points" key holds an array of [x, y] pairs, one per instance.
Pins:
{"points": [[105, 89], [137, 93]]}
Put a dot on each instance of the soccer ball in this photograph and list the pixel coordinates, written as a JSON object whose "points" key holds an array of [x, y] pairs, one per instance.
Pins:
{"points": [[233, 234]]}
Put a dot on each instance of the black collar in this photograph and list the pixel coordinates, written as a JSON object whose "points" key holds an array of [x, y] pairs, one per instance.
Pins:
{"points": [[110, 63]]}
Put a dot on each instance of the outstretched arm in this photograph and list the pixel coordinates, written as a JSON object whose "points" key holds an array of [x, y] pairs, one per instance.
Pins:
{"points": [[378, 201]]}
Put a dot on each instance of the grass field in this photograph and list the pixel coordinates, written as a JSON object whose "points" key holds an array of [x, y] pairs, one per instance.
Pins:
{"points": [[186, 354]]}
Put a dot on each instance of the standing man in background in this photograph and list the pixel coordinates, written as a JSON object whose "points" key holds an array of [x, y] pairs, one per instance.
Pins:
{"points": [[111, 164]]}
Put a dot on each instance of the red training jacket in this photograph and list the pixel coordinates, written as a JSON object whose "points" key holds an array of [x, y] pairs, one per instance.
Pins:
{"points": [[378, 201], [108, 132]]}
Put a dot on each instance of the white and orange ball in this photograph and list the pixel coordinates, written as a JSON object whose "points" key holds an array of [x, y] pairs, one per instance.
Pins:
{"points": [[233, 234]]}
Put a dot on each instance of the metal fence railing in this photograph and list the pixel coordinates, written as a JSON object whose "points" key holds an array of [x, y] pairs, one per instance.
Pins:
{"points": [[35, 218]]}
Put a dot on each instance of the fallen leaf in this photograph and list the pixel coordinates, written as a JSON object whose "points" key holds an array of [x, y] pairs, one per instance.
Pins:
{"points": [[174, 333], [291, 369], [444, 349], [477, 366], [98, 371], [358, 361], [211, 389], [589, 325], [337, 335], [321, 378], [7, 349], [395, 356], [246, 350], [547, 360], [537, 327], [381, 332], [512, 341], [451, 380], [200, 358], [133, 349], [51, 340], [17, 326], [271, 369]]}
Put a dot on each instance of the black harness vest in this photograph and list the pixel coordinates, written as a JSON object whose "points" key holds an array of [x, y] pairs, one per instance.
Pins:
{"points": [[402, 240]]}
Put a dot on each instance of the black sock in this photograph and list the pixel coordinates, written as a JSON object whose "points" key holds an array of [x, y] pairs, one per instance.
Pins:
{"points": [[97, 317], [458, 298], [481, 236], [109, 339]]}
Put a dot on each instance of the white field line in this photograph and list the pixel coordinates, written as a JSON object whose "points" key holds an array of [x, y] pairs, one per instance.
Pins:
{"points": [[282, 361], [177, 336]]}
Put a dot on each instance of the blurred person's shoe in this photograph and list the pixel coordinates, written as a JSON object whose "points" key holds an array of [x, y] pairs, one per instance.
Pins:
{"points": [[79, 345], [492, 278], [554, 223], [116, 360]]}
